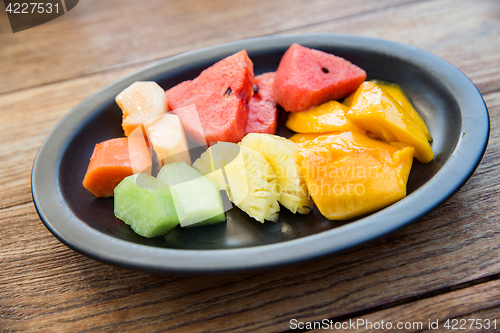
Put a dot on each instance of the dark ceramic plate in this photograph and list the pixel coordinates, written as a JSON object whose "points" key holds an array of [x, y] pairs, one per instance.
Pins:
{"points": [[448, 101]]}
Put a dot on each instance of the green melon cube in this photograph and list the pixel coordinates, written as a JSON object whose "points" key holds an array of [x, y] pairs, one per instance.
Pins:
{"points": [[146, 204], [199, 201]]}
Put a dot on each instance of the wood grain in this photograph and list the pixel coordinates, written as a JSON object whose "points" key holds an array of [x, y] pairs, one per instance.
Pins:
{"points": [[446, 265], [104, 35], [433, 313]]}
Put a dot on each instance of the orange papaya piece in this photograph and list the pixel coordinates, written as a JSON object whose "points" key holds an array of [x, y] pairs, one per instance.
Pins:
{"points": [[113, 160]]}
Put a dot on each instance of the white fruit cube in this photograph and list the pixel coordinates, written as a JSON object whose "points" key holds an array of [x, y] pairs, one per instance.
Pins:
{"points": [[140, 102], [168, 139], [139, 152]]}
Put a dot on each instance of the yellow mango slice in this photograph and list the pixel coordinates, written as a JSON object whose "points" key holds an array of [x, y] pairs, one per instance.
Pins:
{"points": [[399, 95], [302, 138], [374, 110], [349, 174], [325, 118], [348, 100]]}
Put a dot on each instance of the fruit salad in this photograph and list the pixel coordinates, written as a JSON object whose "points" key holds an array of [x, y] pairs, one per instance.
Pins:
{"points": [[351, 154]]}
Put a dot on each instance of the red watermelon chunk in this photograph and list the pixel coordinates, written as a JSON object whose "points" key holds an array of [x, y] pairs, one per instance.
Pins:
{"points": [[262, 112], [306, 78], [221, 94]]}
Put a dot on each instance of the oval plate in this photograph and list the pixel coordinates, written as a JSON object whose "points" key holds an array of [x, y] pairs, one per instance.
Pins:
{"points": [[448, 101]]}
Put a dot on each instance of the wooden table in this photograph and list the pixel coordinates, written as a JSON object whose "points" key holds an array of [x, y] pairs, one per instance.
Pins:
{"points": [[444, 266]]}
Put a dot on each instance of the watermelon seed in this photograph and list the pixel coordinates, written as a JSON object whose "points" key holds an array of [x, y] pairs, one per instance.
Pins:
{"points": [[255, 88], [228, 92], [325, 70]]}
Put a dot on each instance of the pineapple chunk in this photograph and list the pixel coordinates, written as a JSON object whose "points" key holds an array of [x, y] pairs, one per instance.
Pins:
{"points": [[283, 155], [247, 177]]}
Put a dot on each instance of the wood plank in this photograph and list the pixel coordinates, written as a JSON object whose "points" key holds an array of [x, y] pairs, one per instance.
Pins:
{"points": [[46, 286], [97, 35], [461, 308]]}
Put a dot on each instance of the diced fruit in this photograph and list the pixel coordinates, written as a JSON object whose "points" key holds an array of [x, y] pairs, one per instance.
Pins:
{"points": [[336, 157], [215, 163], [399, 95], [349, 174], [306, 78], [374, 110], [113, 160], [302, 138], [325, 118], [221, 94], [191, 122], [140, 151], [168, 139], [140, 102], [283, 155], [247, 177], [199, 199], [262, 111], [146, 204]]}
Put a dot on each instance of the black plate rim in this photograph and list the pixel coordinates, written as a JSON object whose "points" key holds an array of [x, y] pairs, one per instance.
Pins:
{"points": [[73, 232]]}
